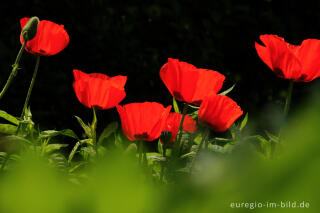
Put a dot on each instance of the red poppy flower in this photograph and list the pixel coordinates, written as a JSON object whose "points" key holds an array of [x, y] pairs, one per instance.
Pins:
{"points": [[143, 121], [219, 112], [50, 39], [299, 63], [187, 83], [99, 90], [173, 123]]}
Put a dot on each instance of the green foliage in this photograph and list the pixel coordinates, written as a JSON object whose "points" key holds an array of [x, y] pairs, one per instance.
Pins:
{"points": [[9, 117], [110, 129], [85, 127], [8, 129]]}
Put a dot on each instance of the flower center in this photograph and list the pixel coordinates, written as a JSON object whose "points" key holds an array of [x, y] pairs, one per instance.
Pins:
{"points": [[143, 136]]}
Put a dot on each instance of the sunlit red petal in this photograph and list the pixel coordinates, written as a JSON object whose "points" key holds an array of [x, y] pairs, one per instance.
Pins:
{"points": [[98, 90], [309, 54], [143, 121], [219, 112], [187, 83], [281, 57]]}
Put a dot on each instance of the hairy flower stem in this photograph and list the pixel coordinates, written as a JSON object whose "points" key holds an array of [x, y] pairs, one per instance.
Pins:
{"points": [[179, 135], [288, 99], [164, 154], [205, 135], [204, 140], [14, 70], [287, 105], [140, 147], [30, 87], [207, 132], [93, 130]]}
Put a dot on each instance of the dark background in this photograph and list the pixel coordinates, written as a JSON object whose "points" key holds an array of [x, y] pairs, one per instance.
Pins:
{"points": [[135, 38]]}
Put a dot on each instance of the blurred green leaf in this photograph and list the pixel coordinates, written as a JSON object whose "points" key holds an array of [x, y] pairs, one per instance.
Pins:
{"points": [[272, 137], [110, 129], [8, 129], [9, 117], [53, 147]]}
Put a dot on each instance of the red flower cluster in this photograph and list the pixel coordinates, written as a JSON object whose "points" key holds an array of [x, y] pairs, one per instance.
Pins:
{"points": [[50, 39], [99, 90], [173, 122], [187, 83], [299, 63], [143, 121], [200, 86]]}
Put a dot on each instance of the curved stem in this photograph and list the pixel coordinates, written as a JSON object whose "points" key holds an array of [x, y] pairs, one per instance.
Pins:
{"points": [[13, 73], [31, 86]]}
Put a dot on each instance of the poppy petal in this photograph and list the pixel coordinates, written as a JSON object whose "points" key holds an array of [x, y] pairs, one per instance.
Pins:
{"points": [[309, 54]]}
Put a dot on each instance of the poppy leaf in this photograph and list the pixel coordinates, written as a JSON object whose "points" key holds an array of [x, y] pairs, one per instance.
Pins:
{"points": [[8, 129], [175, 105], [272, 137], [19, 139], [53, 133], [53, 147], [87, 141], [78, 165], [110, 129], [265, 145], [243, 122], [188, 155], [228, 90], [85, 127], [132, 148], [9, 117], [73, 152]]}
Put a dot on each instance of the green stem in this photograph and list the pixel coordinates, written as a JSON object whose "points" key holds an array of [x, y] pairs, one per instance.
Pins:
{"points": [[13, 73], [31, 86], [93, 130], [286, 107], [140, 151], [204, 138], [164, 154], [179, 135], [206, 141], [288, 99]]}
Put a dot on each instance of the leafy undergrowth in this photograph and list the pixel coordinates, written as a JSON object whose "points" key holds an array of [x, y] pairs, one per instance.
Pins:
{"points": [[40, 175]]}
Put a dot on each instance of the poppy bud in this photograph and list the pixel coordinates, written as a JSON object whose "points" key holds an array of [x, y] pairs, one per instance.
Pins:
{"points": [[29, 31], [165, 137]]}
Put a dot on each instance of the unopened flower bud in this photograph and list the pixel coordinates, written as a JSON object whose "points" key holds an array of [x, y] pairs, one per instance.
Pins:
{"points": [[165, 137], [29, 31]]}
